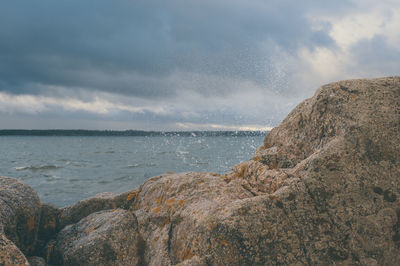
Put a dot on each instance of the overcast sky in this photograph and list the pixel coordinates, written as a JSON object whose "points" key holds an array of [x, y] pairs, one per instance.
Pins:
{"points": [[183, 65]]}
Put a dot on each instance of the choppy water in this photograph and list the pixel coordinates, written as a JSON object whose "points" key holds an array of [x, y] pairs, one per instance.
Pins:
{"points": [[64, 170]]}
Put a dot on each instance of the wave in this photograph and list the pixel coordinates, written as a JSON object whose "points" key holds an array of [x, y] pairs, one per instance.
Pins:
{"points": [[134, 165], [141, 165], [181, 152], [44, 167], [125, 177]]}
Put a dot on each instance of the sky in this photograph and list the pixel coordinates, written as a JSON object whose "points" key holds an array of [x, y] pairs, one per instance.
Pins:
{"points": [[183, 65]]}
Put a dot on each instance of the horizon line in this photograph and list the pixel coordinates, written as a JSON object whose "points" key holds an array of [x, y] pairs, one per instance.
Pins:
{"points": [[139, 130], [131, 132]]}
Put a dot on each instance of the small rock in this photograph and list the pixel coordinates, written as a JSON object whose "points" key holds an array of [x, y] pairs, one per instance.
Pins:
{"points": [[37, 261], [99, 202], [102, 238], [10, 255]]}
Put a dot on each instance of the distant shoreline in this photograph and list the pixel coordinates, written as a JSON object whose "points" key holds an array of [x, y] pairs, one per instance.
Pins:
{"points": [[127, 133]]}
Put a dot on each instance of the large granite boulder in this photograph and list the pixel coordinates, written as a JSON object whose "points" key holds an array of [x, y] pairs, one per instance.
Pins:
{"points": [[324, 189], [19, 213]]}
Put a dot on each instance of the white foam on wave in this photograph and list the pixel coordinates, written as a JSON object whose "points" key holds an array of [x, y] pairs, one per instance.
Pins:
{"points": [[44, 167]]}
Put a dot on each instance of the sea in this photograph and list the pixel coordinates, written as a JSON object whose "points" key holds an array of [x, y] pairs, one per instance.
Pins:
{"points": [[64, 169]]}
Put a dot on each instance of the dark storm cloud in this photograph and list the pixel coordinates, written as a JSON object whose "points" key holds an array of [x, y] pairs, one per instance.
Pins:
{"points": [[166, 65], [144, 48]]}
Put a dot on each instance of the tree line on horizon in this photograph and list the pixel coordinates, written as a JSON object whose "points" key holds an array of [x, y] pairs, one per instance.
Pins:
{"points": [[83, 132]]}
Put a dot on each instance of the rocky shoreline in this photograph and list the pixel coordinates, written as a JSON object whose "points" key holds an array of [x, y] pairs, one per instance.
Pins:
{"points": [[324, 189]]}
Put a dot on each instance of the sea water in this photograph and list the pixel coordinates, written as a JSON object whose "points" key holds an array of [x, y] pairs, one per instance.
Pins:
{"points": [[64, 170]]}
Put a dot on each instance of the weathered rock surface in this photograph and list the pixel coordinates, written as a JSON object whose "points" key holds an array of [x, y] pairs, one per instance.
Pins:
{"points": [[184, 217], [10, 255], [324, 189], [332, 167], [99, 202], [37, 261], [19, 213], [103, 238]]}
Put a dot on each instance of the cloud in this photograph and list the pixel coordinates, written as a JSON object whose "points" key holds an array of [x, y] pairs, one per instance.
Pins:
{"points": [[367, 44], [194, 126], [128, 47], [169, 63], [40, 104]]}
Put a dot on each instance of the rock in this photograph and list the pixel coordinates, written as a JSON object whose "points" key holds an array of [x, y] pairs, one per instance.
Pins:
{"points": [[49, 221], [54, 219], [358, 110], [19, 213], [179, 215], [37, 261], [10, 255], [207, 219], [102, 238], [49, 226], [99, 202], [324, 189]]}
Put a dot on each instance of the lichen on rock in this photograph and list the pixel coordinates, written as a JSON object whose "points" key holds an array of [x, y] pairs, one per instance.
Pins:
{"points": [[102, 238], [19, 213], [10, 255]]}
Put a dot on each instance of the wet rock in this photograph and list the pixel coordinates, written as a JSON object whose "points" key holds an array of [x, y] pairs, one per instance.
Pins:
{"points": [[10, 255], [102, 238], [19, 213]]}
